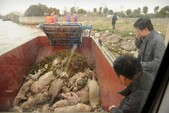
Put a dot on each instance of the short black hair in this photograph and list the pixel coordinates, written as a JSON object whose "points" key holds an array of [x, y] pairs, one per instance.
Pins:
{"points": [[143, 23], [127, 65]]}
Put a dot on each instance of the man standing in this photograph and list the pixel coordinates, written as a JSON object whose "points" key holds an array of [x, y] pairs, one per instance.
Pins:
{"points": [[114, 19], [75, 17], [54, 18], [150, 44], [68, 18]]}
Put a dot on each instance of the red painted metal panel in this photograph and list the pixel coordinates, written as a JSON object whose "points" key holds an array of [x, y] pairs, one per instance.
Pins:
{"points": [[13, 66], [108, 82]]}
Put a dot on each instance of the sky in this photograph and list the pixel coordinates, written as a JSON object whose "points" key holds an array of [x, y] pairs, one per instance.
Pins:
{"points": [[7, 6]]}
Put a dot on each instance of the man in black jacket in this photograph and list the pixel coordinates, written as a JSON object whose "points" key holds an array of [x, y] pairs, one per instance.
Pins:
{"points": [[137, 82], [114, 19]]}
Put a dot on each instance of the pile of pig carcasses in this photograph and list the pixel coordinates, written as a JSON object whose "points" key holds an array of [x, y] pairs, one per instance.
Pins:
{"points": [[17, 63], [63, 82]]}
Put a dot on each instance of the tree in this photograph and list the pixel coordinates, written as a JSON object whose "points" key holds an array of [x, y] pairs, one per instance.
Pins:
{"points": [[121, 14], [145, 10], [42, 7], [14, 16], [94, 10], [128, 12], [136, 12], [72, 10], [34, 10], [39, 10], [82, 11], [0, 16], [100, 10], [53, 10], [164, 12], [139, 10], [156, 9], [105, 11], [110, 12]]}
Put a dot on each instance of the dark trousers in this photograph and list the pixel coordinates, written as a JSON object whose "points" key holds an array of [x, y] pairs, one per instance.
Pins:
{"points": [[113, 24]]}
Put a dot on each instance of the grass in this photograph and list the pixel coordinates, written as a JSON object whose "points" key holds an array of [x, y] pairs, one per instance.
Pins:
{"points": [[124, 26]]}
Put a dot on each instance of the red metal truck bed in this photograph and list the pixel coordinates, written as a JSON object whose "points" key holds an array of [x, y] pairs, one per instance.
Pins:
{"points": [[16, 63]]}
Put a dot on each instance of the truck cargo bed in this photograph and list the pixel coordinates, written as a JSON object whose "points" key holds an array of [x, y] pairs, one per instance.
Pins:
{"points": [[15, 64]]}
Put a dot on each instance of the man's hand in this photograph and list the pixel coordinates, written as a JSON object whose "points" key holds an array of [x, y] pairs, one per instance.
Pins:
{"points": [[113, 106], [138, 36]]}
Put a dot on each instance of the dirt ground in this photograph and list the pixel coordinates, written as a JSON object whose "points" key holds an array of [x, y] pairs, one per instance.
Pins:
{"points": [[117, 44]]}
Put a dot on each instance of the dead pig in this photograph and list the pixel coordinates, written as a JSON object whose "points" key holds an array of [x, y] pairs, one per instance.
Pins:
{"points": [[22, 92], [83, 95], [55, 88], [43, 81], [76, 108], [32, 102], [94, 94], [69, 99]]}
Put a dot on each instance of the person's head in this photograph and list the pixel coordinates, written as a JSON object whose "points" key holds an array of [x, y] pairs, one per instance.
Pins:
{"points": [[126, 66], [52, 14], [143, 27]]}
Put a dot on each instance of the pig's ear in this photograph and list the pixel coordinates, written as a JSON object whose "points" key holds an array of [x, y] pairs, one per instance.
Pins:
{"points": [[122, 78]]}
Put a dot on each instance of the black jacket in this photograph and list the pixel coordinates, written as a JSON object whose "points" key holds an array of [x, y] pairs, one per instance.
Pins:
{"points": [[135, 94]]}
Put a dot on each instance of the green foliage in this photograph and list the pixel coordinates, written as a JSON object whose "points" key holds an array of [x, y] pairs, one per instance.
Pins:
{"points": [[156, 9], [105, 10], [128, 12], [51, 10], [72, 10], [77, 63], [110, 12], [95, 10], [137, 11], [127, 33], [145, 9], [164, 12], [35, 10], [39, 10], [82, 11], [1, 16], [121, 14], [100, 10]]}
